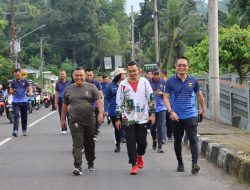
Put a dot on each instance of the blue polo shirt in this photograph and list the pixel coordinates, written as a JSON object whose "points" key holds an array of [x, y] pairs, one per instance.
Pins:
{"points": [[182, 95], [60, 87], [159, 85], [20, 86], [98, 86]]}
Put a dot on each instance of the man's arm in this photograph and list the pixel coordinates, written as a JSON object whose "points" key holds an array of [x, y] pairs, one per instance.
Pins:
{"points": [[99, 105], [56, 99], [172, 114], [30, 90], [201, 100], [64, 114]]}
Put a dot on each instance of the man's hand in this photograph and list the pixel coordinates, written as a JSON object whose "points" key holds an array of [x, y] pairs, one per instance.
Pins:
{"points": [[152, 118], [55, 106], [100, 118], [118, 124], [174, 116], [105, 113], [30, 93]]}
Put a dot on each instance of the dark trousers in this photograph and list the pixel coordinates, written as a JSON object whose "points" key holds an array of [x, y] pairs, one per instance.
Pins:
{"points": [[117, 132], [97, 125], [60, 102], [52, 101], [188, 125], [169, 126], [136, 141], [82, 136], [23, 108]]}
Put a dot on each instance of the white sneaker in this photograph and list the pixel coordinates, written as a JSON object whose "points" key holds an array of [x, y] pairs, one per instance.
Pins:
{"points": [[77, 172], [64, 132], [95, 138]]}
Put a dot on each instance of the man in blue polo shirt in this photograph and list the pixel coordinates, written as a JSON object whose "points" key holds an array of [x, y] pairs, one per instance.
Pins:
{"points": [[60, 87], [179, 98], [90, 79], [19, 87]]}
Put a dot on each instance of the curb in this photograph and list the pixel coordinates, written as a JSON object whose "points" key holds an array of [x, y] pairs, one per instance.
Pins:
{"points": [[232, 163]]}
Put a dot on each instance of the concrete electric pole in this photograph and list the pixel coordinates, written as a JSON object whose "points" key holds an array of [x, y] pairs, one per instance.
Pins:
{"points": [[214, 80], [156, 31], [132, 34]]}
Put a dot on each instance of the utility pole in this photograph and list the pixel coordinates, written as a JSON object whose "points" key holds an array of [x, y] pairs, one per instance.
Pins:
{"points": [[41, 61], [214, 80], [132, 34], [156, 31], [13, 53]]}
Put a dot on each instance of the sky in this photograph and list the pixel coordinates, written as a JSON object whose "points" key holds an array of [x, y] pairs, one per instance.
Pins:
{"points": [[135, 4]]}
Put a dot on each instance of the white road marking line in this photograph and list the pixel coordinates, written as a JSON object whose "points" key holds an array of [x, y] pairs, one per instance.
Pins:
{"points": [[32, 124], [29, 126], [5, 141]]}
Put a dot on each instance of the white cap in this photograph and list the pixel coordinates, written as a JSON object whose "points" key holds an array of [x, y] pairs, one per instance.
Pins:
{"points": [[119, 71]]}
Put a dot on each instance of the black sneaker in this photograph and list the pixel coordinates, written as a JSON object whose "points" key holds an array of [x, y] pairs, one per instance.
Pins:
{"points": [[77, 171], [91, 166], [180, 168], [195, 169], [160, 150], [14, 134], [117, 149]]}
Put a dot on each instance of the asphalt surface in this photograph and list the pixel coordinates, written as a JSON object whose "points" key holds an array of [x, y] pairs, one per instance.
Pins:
{"points": [[43, 160]]}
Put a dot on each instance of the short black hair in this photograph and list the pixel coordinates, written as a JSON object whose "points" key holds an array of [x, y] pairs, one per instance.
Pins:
{"points": [[132, 63], [149, 71], [104, 76], [17, 70], [182, 57], [89, 70], [79, 69]]}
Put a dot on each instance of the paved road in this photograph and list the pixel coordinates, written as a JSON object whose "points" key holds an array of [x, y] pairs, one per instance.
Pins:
{"points": [[43, 160]]}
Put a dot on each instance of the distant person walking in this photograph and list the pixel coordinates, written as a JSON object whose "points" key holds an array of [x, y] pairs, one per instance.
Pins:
{"points": [[60, 87], [19, 87], [135, 100], [179, 98], [78, 101]]}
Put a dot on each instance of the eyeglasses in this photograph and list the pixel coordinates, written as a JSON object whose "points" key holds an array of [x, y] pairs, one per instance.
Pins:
{"points": [[182, 65]]}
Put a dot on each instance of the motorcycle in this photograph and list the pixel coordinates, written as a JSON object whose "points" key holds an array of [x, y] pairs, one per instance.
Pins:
{"points": [[38, 101], [46, 99], [8, 107], [2, 105], [31, 101]]}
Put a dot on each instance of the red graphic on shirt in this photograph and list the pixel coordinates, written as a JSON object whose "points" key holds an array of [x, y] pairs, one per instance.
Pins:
{"points": [[134, 85]]}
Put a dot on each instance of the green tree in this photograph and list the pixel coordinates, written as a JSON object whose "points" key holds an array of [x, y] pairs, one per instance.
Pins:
{"points": [[67, 66], [6, 70]]}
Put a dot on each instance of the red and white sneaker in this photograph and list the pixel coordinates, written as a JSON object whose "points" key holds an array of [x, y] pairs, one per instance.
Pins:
{"points": [[134, 170], [140, 162]]}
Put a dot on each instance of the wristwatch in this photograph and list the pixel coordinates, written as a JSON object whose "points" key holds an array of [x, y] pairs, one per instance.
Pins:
{"points": [[170, 112]]}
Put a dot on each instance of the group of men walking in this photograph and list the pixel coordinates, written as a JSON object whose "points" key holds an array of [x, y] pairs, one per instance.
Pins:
{"points": [[132, 102]]}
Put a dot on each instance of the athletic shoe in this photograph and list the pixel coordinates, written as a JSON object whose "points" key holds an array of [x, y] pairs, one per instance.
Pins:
{"points": [[140, 162], [117, 149], [160, 150], [77, 172], [91, 166], [95, 138], [170, 140], [195, 169], [14, 134], [83, 150], [24, 133], [134, 170], [180, 168]]}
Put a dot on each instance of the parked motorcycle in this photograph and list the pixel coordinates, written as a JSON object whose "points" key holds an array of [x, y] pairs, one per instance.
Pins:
{"points": [[31, 101], [38, 101], [9, 108], [2, 105], [46, 99]]}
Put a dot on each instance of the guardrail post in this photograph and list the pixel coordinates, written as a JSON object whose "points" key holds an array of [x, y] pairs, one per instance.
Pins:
{"points": [[248, 105]]}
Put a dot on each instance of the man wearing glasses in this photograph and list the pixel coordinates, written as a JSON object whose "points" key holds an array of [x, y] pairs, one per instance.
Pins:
{"points": [[179, 99]]}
